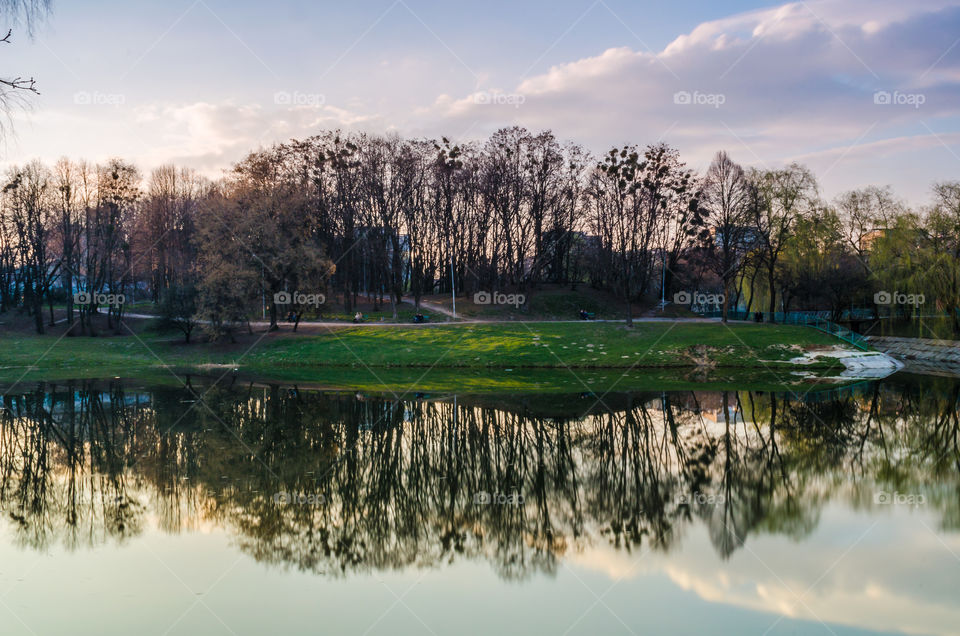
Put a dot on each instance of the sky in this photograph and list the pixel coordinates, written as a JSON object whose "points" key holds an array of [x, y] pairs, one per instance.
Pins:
{"points": [[864, 92]]}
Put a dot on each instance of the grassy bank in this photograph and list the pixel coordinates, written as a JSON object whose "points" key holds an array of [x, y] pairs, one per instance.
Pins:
{"points": [[546, 345], [648, 345], [586, 384]]}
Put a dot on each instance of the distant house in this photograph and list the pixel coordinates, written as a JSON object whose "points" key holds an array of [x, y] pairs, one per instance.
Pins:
{"points": [[868, 239]]}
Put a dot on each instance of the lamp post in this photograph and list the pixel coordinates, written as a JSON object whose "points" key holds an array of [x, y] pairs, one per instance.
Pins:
{"points": [[663, 280], [453, 287]]}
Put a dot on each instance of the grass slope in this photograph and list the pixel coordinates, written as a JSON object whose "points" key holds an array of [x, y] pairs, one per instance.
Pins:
{"points": [[480, 346], [544, 345]]}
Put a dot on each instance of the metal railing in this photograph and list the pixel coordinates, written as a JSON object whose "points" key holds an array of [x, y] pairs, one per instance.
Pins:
{"points": [[805, 319]]}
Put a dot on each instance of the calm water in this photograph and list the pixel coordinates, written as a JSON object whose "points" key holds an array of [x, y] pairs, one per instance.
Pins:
{"points": [[131, 509]]}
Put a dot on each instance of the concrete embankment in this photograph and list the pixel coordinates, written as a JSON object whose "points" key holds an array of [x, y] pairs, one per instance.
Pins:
{"points": [[921, 355]]}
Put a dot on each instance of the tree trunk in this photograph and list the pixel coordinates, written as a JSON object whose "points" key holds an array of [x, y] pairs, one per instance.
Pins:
{"points": [[68, 285], [771, 281], [726, 295], [38, 311]]}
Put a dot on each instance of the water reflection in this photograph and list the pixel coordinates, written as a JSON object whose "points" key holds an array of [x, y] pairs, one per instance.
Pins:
{"points": [[337, 484]]}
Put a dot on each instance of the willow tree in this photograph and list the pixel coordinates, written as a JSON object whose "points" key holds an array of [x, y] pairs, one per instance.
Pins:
{"points": [[944, 237]]}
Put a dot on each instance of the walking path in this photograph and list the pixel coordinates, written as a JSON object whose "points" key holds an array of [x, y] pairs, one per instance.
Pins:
{"points": [[424, 304], [459, 321]]}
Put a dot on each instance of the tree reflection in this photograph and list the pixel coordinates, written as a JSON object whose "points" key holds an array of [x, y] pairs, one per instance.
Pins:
{"points": [[418, 483]]}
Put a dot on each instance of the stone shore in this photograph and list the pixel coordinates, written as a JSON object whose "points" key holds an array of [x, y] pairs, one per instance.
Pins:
{"points": [[922, 355]]}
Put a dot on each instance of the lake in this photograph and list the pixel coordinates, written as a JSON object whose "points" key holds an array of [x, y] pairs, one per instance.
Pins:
{"points": [[241, 507]]}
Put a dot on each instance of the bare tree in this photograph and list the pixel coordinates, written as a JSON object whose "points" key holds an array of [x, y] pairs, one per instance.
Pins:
{"points": [[14, 90], [783, 195], [863, 213], [726, 199], [618, 221], [27, 198]]}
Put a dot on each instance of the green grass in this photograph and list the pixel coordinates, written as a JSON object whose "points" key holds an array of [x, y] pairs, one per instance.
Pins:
{"points": [[438, 381], [361, 355], [546, 345], [434, 382]]}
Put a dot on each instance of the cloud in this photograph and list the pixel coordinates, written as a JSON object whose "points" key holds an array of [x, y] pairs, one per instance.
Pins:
{"points": [[794, 80], [204, 133], [869, 587], [206, 136], [864, 89]]}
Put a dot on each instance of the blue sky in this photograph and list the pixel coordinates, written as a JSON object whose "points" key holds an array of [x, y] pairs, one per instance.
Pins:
{"points": [[200, 82]]}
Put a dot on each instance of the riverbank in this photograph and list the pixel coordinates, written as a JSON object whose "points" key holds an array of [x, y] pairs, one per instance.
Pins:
{"points": [[551, 345], [648, 345], [922, 355]]}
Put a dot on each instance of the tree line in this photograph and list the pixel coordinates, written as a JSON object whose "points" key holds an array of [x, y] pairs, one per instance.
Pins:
{"points": [[357, 216]]}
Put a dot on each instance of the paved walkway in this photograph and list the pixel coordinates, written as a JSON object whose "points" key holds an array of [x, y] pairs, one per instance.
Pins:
{"points": [[459, 321], [424, 304]]}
